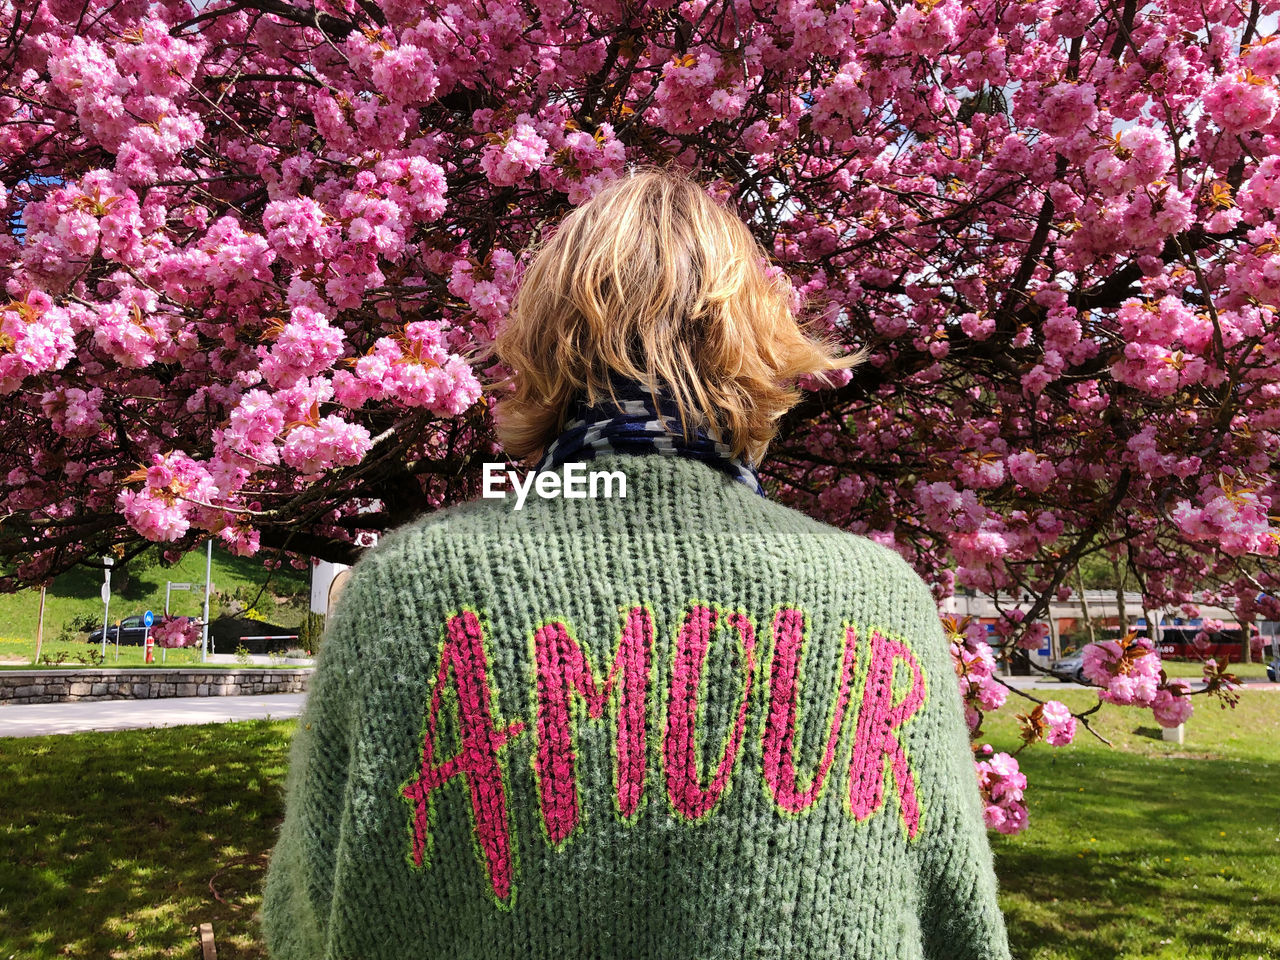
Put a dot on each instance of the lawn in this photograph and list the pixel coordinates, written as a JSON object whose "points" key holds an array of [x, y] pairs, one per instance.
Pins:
{"points": [[112, 840], [1190, 668], [75, 594], [1147, 850], [17, 655]]}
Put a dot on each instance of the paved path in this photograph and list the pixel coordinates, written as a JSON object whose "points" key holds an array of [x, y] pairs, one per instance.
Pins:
{"points": [[38, 719]]}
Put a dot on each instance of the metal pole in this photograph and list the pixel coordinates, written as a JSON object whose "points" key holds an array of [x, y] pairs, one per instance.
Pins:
{"points": [[168, 588], [40, 627], [106, 610], [208, 570]]}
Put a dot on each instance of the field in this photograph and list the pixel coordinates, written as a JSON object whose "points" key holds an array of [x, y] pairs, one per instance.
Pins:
{"points": [[17, 655], [1149, 849], [119, 844], [74, 594]]}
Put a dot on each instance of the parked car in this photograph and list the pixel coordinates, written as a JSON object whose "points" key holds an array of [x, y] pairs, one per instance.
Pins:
{"points": [[131, 630], [1273, 661], [1069, 668]]}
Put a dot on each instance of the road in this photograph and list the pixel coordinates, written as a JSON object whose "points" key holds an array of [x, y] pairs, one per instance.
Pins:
{"points": [[39, 719]]}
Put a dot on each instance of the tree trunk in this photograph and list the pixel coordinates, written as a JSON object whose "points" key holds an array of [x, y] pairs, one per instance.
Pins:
{"points": [[1246, 635], [1084, 605], [1120, 610]]}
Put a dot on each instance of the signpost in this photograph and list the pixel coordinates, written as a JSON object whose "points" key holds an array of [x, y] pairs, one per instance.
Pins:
{"points": [[40, 627], [170, 586], [204, 627], [106, 601], [148, 619]]}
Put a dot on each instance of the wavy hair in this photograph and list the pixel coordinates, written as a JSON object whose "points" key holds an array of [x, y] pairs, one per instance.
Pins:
{"points": [[655, 280]]}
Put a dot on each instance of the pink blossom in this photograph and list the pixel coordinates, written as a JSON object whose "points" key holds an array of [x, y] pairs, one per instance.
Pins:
{"points": [[74, 412], [303, 347], [1238, 106], [975, 670], [1034, 472], [513, 159], [298, 229], [1062, 725], [1002, 785], [332, 442], [1068, 108], [171, 632], [1171, 705], [926, 30], [1237, 522], [414, 369], [979, 328], [34, 338], [1127, 673]]}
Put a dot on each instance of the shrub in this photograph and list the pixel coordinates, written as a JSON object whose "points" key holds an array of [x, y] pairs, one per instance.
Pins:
{"points": [[311, 632]]}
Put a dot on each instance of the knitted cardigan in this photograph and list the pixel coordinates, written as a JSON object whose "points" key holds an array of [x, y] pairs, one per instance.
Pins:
{"points": [[685, 723]]}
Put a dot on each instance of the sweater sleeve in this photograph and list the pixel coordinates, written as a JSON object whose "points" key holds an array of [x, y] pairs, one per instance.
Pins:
{"points": [[959, 913], [298, 888]]}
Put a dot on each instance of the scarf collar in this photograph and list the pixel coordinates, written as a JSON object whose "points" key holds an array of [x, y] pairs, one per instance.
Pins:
{"points": [[635, 425]]}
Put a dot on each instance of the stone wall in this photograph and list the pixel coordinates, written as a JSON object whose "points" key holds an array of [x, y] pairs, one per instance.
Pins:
{"points": [[144, 683]]}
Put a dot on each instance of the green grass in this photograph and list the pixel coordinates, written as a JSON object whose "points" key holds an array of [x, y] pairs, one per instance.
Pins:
{"points": [[1147, 850], [112, 839], [1189, 668], [76, 593], [18, 654]]}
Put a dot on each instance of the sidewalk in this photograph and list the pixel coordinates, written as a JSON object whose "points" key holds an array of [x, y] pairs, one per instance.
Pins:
{"points": [[39, 719], [256, 660]]}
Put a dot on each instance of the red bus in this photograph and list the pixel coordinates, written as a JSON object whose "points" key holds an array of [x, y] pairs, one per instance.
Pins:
{"points": [[1178, 642]]}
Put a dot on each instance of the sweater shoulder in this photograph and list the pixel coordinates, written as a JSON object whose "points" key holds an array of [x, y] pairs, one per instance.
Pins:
{"points": [[486, 538]]}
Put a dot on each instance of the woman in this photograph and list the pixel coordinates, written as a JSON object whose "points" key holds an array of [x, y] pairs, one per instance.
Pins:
{"points": [[672, 720]]}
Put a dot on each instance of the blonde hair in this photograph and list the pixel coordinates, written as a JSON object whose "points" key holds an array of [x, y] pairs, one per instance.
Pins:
{"points": [[654, 280]]}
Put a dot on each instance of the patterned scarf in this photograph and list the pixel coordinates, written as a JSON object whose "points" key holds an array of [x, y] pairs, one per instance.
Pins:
{"points": [[634, 426]]}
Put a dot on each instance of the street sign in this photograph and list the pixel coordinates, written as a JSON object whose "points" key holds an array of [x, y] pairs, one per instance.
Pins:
{"points": [[148, 619], [106, 592]]}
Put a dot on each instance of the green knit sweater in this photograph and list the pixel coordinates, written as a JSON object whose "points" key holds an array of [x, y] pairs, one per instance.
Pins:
{"points": [[687, 723]]}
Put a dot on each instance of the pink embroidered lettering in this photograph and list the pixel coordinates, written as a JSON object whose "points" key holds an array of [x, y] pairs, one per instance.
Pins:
{"points": [[680, 747], [780, 724], [876, 739], [563, 672], [565, 688], [463, 653]]}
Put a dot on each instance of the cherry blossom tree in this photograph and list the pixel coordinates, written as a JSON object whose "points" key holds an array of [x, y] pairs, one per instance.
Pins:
{"points": [[170, 632], [253, 251]]}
